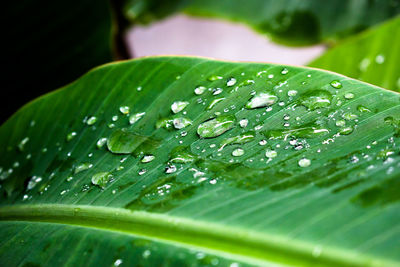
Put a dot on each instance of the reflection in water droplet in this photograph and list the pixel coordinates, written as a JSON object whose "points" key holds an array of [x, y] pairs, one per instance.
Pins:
{"points": [[135, 117], [262, 99], [178, 106], [237, 152], [304, 162], [101, 179], [215, 127]]}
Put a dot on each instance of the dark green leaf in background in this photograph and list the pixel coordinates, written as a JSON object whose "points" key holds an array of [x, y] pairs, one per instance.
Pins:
{"points": [[246, 163], [47, 44], [290, 22], [372, 56]]}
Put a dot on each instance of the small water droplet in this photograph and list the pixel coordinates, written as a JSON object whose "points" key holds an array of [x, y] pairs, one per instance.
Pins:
{"points": [[292, 93], [304, 162], [217, 91], [214, 102], [271, 153], [243, 123], [82, 167], [101, 179], [317, 99], [346, 130], [178, 106], [124, 110], [239, 139], [92, 120], [22, 143], [364, 64], [379, 59], [200, 90], [237, 152], [142, 171], [114, 118], [349, 95], [336, 84], [340, 123], [147, 158], [284, 71], [231, 82], [118, 262], [170, 169], [33, 181], [213, 78], [71, 136], [180, 123], [135, 117], [101, 142]]}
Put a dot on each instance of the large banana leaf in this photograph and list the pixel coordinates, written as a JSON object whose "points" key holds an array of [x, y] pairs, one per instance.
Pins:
{"points": [[47, 44], [192, 161], [372, 56], [290, 22]]}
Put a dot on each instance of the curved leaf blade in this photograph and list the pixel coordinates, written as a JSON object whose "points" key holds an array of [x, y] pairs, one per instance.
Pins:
{"points": [[336, 152]]}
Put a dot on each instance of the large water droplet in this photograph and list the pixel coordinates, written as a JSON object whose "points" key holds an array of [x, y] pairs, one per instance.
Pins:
{"points": [[316, 99], [101, 179], [215, 127], [261, 99], [336, 84], [178, 106], [239, 139], [124, 142]]}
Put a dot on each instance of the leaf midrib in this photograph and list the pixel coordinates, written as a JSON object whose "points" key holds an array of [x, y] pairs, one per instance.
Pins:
{"points": [[221, 240]]}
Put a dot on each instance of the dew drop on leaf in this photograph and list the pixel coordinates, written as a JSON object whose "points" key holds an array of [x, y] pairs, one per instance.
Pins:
{"points": [[231, 82], [262, 99], [180, 123], [317, 99], [82, 167], [213, 78], [135, 117], [147, 158], [71, 136], [92, 120], [349, 95], [124, 110], [336, 84], [200, 90], [346, 130], [214, 102], [178, 106], [215, 127], [304, 162], [101, 179], [239, 139], [271, 153], [22, 143], [101, 142], [237, 152]]}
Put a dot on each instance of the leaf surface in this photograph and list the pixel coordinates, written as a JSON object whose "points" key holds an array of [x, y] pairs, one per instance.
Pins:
{"points": [[291, 166], [371, 56]]}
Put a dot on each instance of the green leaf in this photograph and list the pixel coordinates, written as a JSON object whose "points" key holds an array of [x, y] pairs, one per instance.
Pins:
{"points": [[371, 56], [289, 22], [309, 179], [47, 44]]}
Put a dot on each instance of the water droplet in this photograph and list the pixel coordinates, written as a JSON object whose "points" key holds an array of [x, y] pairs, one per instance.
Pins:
{"points": [[304, 162], [82, 167], [124, 142], [101, 142], [200, 90], [135, 117], [239, 139], [71, 136], [180, 123], [262, 142], [262, 99], [142, 171], [292, 93], [92, 120], [146, 253], [361, 108], [336, 84], [22, 143], [170, 169], [114, 118], [217, 91], [101, 179], [349, 95], [33, 181], [124, 110], [317, 99], [118, 262], [379, 59], [231, 82], [148, 158], [214, 102], [364, 64], [237, 152], [178, 106], [284, 71], [243, 123], [349, 116], [139, 88], [69, 178], [271, 153], [346, 130], [181, 155], [214, 78], [340, 123], [215, 127]]}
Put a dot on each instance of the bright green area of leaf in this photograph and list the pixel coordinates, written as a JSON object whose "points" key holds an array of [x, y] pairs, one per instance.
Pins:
{"points": [[50, 43], [290, 22], [372, 56], [317, 183]]}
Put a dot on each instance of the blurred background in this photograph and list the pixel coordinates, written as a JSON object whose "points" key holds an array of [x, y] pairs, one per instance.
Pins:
{"points": [[184, 35]]}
